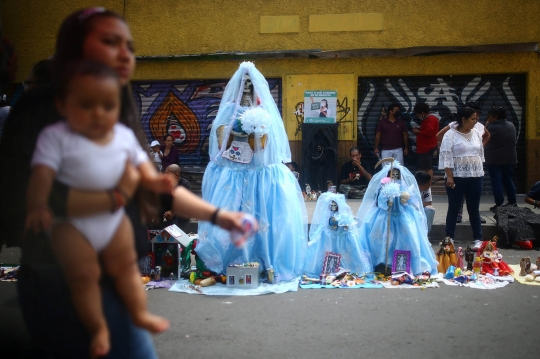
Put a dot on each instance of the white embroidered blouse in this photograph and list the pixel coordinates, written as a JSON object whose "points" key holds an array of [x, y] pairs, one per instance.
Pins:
{"points": [[463, 153]]}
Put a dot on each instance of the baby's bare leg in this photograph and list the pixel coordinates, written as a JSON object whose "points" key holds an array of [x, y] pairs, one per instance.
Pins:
{"points": [[120, 261], [80, 264]]}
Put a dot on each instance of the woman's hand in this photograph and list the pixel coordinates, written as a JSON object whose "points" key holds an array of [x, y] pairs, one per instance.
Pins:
{"points": [[232, 220], [450, 182]]}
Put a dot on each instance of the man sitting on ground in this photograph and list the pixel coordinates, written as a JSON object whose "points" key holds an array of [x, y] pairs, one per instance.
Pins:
{"points": [[354, 177]]}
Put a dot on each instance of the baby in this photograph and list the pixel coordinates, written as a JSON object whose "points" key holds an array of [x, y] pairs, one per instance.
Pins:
{"points": [[89, 151], [156, 154]]}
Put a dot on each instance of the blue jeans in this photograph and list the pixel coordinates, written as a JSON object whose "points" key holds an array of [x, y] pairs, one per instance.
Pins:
{"points": [[430, 216], [501, 177], [471, 188], [55, 327]]}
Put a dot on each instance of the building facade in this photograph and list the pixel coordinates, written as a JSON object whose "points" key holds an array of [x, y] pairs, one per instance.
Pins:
{"points": [[371, 53]]}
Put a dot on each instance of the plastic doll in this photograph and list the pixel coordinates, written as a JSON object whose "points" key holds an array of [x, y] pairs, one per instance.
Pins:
{"points": [[492, 262]]}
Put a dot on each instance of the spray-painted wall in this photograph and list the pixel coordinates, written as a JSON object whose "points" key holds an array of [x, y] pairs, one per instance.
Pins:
{"points": [[444, 95], [185, 110]]}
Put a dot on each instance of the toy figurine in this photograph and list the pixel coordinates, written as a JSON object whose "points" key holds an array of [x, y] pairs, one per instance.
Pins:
{"points": [[446, 255], [469, 258], [492, 260], [460, 258]]}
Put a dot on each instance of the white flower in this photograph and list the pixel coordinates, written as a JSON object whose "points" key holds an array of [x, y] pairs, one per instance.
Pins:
{"points": [[256, 120]]}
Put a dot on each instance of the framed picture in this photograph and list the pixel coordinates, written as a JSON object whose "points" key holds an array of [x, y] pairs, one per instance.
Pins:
{"points": [[231, 280], [401, 261], [147, 263], [248, 279], [331, 263]]}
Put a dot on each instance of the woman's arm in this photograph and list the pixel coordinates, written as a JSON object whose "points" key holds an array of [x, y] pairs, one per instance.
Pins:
{"points": [[441, 133], [486, 136], [84, 203], [449, 178], [188, 204]]}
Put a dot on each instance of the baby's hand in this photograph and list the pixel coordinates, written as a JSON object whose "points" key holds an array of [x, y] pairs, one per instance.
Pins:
{"points": [[39, 219]]}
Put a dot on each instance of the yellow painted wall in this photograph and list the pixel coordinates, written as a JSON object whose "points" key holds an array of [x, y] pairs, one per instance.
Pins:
{"points": [[176, 27], [346, 86], [169, 27]]}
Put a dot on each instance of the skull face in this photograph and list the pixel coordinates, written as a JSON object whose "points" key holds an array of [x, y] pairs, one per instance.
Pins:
{"points": [[396, 174], [333, 206], [247, 83], [235, 152]]}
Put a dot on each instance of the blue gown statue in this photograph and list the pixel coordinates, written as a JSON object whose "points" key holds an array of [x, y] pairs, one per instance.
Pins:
{"points": [[408, 226], [248, 146], [333, 229]]}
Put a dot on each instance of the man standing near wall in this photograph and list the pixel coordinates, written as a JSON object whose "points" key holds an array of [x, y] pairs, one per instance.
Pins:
{"points": [[426, 140], [392, 134]]}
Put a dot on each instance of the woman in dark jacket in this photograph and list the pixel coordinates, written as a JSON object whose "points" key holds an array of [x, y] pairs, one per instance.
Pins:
{"points": [[170, 153]]}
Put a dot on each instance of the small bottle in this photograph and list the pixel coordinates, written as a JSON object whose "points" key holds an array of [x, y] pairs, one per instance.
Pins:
{"points": [[157, 276], [477, 266]]}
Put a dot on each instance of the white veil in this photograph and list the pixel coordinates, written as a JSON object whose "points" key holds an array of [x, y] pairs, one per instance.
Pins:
{"points": [[276, 149]]}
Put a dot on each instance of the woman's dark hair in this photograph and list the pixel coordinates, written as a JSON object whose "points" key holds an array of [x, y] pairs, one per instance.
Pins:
{"points": [[464, 112], [84, 68], [69, 49], [72, 34], [293, 164], [421, 107], [166, 136], [500, 113]]}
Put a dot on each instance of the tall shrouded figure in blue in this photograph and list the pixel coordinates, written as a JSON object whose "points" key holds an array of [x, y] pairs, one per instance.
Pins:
{"points": [[248, 146]]}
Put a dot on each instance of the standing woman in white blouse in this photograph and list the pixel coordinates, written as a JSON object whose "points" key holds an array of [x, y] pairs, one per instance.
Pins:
{"points": [[462, 156]]}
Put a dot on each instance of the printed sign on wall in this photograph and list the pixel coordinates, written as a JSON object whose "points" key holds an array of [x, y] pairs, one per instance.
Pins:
{"points": [[320, 106]]}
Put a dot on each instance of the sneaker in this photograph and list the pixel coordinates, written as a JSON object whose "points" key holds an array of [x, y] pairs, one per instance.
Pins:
{"points": [[494, 208], [482, 220], [510, 205], [477, 244], [459, 218]]}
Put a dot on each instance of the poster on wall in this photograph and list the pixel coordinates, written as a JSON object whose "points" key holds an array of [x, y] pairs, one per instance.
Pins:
{"points": [[320, 106]]}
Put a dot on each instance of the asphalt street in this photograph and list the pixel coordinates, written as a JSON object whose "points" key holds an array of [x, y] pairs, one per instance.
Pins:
{"points": [[444, 322]]}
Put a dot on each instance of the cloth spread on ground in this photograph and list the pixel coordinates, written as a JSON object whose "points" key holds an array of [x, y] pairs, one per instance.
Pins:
{"points": [[483, 282], [519, 278], [329, 286], [183, 286]]}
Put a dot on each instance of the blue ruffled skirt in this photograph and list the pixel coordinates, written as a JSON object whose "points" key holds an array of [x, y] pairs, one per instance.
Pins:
{"points": [[406, 233], [355, 254], [273, 196]]}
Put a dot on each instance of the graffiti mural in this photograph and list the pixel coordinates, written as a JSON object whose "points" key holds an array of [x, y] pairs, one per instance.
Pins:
{"points": [[185, 110], [444, 95]]}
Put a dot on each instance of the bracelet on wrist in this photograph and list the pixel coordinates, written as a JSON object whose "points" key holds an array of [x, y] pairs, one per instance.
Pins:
{"points": [[213, 217], [117, 200], [123, 193]]}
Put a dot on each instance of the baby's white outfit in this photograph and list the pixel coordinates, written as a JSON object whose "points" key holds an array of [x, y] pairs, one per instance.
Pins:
{"points": [[85, 165]]}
